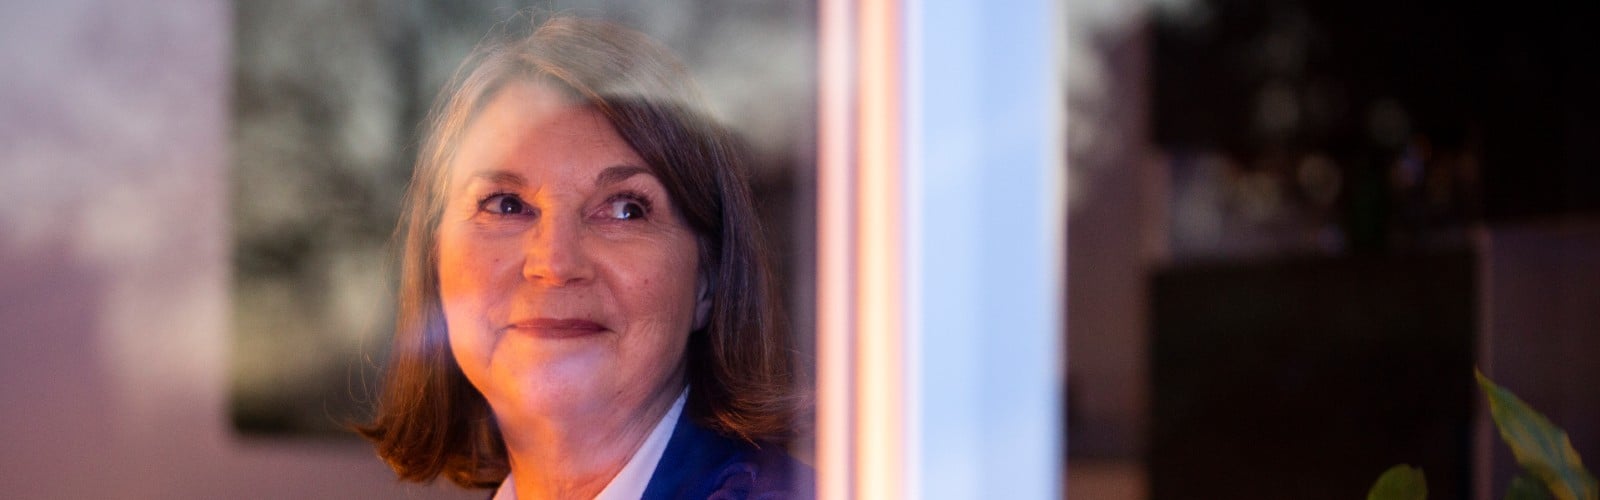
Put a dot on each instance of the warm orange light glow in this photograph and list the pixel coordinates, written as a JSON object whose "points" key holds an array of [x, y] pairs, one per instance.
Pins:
{"points": [[860, 337], [880, 361], [835, 239]]}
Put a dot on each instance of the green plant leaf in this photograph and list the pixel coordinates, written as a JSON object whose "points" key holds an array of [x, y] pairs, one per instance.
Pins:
{"points": [[1401, 482], [1526, 488], [1541, 447]]}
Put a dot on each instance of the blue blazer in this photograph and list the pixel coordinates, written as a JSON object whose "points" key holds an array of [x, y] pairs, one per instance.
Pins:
{"points": [[701, 464]]}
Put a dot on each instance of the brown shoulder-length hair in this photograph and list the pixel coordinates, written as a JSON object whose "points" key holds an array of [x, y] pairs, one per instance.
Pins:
{"points": [[430, 420]]}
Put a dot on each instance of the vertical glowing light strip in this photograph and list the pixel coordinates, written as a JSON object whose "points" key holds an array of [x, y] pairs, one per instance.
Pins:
{"points": [[860, 333], [985, 223], [954, 101], [835, 244], [880, 359]]}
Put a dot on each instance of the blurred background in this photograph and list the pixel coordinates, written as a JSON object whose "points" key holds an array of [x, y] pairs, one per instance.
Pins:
{"points": [[1294, 228]]}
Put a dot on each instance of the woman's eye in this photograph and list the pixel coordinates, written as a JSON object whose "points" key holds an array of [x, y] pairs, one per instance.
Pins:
{"points": [[625, 209], [504, 204]]}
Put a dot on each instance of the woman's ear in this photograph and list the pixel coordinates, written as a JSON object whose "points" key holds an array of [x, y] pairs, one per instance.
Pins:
{"points": [[702, 303]]}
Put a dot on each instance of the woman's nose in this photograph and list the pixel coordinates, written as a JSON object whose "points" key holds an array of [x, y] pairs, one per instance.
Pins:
{"points": [[555, 254]]}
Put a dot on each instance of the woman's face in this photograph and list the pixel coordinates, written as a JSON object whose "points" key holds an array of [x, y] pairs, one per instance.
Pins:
{"points": [[569, 282]]}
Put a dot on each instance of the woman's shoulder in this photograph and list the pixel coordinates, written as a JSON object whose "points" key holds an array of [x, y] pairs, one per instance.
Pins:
{"points": [[700, 463], [767, 472]]}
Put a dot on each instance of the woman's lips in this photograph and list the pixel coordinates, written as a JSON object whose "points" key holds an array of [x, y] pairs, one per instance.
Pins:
{"points": [[557, 328]]}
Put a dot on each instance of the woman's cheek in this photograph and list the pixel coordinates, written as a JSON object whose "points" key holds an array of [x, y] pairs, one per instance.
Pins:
{"points": [[465, 269], [668, 284]]}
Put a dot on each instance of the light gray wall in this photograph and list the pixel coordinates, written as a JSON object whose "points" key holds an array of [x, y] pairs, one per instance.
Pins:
{"points": [[113, 266]]}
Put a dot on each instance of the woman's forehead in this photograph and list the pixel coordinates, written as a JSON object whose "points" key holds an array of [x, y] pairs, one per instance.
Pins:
{"points": [[534, 132]]}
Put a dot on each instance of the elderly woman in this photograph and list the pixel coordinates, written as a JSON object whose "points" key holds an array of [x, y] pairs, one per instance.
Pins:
{"points": [[585, 307]]}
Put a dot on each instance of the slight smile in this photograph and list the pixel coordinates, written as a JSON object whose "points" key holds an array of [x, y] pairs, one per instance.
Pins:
{"points": [[557, 328]]}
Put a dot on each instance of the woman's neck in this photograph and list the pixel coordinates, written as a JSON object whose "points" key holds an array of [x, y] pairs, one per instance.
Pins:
{"points": [[577, 456]]}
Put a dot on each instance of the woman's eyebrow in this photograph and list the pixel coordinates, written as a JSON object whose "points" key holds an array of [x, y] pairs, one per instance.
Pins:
{"points": [[501, 178], [613, 175]]}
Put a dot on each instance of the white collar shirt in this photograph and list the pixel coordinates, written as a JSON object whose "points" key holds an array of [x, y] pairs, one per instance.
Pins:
{"points": [[630, 482]]}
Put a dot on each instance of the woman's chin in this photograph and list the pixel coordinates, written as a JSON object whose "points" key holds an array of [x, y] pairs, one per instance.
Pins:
{"points": [[564, 387]]}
